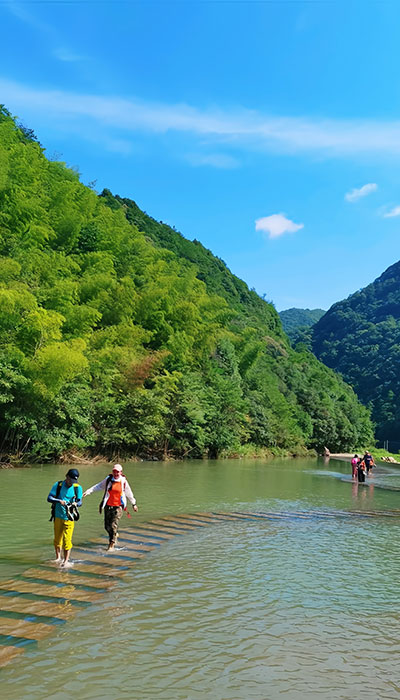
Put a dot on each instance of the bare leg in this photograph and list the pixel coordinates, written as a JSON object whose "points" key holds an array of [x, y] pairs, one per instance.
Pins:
{"points": [[66, 554], [58, 554]]}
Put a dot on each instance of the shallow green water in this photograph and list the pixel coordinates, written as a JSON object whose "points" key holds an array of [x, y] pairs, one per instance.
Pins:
{"points": [[300, 608]]}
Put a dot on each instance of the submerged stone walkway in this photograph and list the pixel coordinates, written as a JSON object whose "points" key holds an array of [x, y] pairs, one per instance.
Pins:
{"points": [[34, 604]]}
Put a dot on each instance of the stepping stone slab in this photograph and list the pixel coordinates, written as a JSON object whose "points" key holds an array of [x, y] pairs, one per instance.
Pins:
{"points": [[207, 519], [92, 555], [68, 578], [250, 516], [8, 654], [174, 529], [125, 543], [62, 611], [68, 592], [25, 628], [270, 516], [150, 531], [109, 571], [136, 540], [217, 518], [186, 520]]}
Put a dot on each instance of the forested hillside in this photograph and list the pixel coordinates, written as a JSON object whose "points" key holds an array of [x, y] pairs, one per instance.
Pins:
{"points": [[111, 343], [297, 321], [360, 337], [210, 269]]}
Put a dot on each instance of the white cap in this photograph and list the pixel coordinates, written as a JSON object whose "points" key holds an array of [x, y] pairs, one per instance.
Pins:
{"points": [[117, 468]]}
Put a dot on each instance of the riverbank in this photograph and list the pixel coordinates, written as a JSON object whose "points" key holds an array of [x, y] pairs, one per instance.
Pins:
{"points": [[378, 454], [241, 452]]}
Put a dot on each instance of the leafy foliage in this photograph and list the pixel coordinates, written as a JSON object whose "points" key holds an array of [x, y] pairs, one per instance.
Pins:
{"points": [[360, 338], [297, 322], [119, 336]]}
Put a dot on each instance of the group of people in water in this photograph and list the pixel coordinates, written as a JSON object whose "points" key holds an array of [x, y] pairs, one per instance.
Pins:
{"points": [[362, 466], [66, 497]]}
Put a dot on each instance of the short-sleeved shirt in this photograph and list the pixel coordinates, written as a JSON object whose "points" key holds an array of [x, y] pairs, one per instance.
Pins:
{"points": [[66, 494]]}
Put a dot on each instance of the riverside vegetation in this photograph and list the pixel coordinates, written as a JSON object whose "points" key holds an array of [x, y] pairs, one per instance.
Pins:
{"points": [[129, 342]]}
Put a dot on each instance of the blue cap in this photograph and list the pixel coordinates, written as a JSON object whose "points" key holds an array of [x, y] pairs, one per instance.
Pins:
{"points": [[73, 474]]}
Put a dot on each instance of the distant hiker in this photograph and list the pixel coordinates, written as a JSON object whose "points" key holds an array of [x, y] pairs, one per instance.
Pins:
{"points": [[354, 464], [369, 461], [65, 496], [116, 493], [361, 468]]}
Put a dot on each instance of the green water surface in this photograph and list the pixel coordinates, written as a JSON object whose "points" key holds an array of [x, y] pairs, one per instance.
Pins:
{"points": [[294, 608]]}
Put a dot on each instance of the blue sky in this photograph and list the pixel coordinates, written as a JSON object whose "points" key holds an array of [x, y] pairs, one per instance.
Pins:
{"points": [[269, 131]]}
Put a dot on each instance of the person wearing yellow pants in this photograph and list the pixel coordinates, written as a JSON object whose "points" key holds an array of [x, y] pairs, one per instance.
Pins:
{"points": [[61, 495]]}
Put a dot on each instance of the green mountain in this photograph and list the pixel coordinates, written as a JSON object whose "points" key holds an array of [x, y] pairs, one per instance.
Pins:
{"points": [[209, 269], [119, 337], [360, 338], [298, 320]]}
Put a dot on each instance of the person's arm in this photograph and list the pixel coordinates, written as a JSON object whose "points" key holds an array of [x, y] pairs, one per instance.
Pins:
{"points": [[130, 496], [97, 487], [51, 498], [78, 496]]}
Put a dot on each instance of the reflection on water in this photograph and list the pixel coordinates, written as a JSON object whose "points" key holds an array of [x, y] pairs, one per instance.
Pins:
{"points": [[298, 607]]}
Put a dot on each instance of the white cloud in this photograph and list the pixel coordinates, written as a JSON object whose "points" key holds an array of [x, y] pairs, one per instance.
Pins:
{"points": [[356, 194], [28, 18], [244, 129], [66, 55], [393, 212], [47, 31], [214, 160], [118, 146], [276, 225]]}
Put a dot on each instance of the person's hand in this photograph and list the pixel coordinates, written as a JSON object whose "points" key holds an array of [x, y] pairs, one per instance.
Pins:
{"points": [[63, 503], [135, 508], [84, 494]]}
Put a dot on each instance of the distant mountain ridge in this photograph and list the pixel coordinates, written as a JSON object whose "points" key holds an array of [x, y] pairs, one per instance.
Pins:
{"points": [[360, 338], [295, 319]]}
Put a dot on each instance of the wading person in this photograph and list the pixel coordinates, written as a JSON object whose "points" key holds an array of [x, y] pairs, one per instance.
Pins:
{"points": [[116, 494], [354, 465], [65, 496], [369, 461], [361, 470]]}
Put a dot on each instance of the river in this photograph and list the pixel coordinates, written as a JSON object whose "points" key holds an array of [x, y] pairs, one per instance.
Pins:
{"points": [[301, 606]]}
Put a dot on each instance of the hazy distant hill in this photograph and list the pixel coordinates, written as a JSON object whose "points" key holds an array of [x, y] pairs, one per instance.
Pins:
{"points": [[295, 319], [360, 337]]}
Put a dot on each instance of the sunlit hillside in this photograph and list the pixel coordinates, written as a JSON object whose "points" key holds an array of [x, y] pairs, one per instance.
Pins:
{"points": [[115, 341]]}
